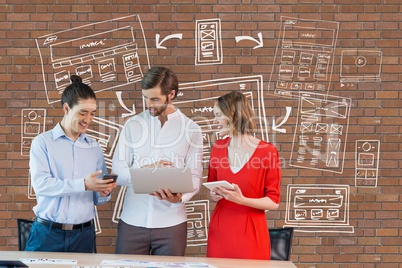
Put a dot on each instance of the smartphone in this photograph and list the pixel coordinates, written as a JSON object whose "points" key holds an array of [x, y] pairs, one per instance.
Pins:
{"points": [[110, 176]]}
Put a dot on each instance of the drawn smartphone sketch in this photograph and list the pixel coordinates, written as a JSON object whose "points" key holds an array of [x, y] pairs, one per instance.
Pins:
{"points": [[32, 124], [367, 163], [208, 42]]}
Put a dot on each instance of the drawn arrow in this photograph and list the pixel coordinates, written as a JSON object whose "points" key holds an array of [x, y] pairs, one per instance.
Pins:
{"points": [[260, 42], [132, 112], [276, 127], [158, 44]]}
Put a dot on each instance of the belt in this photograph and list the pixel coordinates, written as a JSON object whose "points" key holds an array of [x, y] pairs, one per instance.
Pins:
{"points": [[66, 227]]}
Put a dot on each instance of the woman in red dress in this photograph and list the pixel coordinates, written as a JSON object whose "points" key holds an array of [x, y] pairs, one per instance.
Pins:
{"points": [[238, 226]]}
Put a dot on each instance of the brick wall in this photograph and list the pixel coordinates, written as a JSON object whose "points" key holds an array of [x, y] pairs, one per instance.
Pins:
{"points": [[361, 39]]}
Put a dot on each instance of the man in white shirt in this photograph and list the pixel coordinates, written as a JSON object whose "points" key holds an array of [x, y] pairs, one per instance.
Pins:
{"points": [[156, 223]]}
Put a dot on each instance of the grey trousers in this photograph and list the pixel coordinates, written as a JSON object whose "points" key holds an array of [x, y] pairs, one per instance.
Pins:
{"points": [[169, 241]]}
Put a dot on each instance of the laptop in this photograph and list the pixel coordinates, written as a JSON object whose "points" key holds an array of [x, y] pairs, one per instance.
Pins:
{"points": [[148, 180]]}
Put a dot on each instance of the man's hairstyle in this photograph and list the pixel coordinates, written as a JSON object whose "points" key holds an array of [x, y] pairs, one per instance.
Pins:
{"points": [[76, 91], [238, 110], [163, 77]]}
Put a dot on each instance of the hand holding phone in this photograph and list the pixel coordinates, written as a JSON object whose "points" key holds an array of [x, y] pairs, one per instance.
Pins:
{"points": [[110, 176]]}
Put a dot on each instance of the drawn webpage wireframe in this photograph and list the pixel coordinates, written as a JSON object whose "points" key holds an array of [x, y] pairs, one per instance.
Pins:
{"points": [[197, 222], [32, 124], [200, 98], [107, 55], [318, 208], [320, 136], [361, 65], [367, 162], [304, 57]]}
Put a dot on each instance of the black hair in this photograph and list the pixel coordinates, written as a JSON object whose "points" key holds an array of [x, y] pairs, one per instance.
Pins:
{"points": [[163, 77], [76, 91]]}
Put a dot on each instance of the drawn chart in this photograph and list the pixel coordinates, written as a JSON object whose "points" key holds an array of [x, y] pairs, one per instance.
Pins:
{"points": [[304, 57], [318, 208], [100, 53], [319, 141]]}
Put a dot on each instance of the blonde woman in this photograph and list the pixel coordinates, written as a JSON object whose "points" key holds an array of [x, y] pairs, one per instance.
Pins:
{"points": [[238, 226]]}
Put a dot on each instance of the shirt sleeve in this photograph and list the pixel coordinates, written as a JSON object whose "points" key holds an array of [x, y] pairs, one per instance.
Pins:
{"points": [[194, 161], [273, 176], [43, 181], [123, 156], [98, 199]]}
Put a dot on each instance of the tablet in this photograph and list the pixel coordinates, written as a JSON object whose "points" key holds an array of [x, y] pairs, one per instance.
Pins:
{"points": [[224, 184], [148, 180]]}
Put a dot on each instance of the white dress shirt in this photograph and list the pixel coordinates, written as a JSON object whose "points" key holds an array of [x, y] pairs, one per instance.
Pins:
{"points": [[144, 141]]}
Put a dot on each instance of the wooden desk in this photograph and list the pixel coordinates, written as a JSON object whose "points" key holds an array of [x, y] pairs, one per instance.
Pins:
{"points": [[87, 259]]}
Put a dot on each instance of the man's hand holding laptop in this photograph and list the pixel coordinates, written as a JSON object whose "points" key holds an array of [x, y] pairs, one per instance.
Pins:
{"points": [[164, 194]]}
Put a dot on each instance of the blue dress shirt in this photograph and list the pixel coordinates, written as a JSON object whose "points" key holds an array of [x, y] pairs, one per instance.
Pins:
{"points": [[58, 166]]}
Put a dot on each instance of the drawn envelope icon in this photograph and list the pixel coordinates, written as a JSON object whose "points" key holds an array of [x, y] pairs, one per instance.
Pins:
{"points": [[310, 106], [208, 35], [336, 109], [336, 129], [321, 128], [306, 126]]}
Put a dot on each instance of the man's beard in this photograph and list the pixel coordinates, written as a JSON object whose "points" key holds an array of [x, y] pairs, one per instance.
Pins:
{"points": [[159, 110]]}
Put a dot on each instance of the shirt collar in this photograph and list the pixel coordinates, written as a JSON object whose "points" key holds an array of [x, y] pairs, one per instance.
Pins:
{"points": [[58, 132]]}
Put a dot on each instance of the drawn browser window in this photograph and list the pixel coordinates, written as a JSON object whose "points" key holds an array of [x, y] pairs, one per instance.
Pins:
{"points": [[318, 208], [107, 55]]}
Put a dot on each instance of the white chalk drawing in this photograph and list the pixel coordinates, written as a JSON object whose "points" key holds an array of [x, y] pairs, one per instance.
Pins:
{"points": [[121, 102], [96, 54], [208, 42], [98, 228], [159, 44], [318, 208], [197, 222], [31, 191], [201, 109], [118, 206], [275, 127], [260, 41], [304, 57], [319, 141], [367, 163], [106, 133], [32, 124], [360, 66]]}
